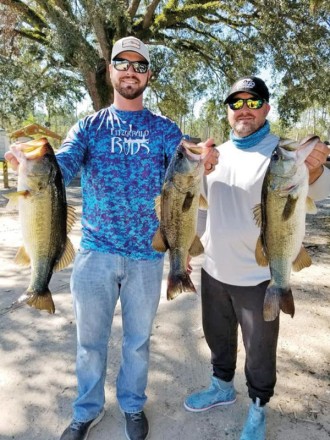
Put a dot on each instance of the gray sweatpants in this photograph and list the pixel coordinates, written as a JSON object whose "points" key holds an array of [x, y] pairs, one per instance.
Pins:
{"points": [[224, 307]]}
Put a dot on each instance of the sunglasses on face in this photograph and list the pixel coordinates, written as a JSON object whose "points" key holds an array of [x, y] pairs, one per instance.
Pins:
{"points": [[124, 65], [253, 104]]}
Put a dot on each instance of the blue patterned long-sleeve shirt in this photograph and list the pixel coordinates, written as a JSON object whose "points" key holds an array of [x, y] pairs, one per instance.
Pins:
{"points": [[122, 157]]}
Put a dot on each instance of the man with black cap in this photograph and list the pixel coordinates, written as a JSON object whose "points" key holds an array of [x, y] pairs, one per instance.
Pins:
{"points": [[122, 151], [233, 284]]}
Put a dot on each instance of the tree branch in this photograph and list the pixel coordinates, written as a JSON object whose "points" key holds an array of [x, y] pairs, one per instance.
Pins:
{"points": [[150, 13], [133, 8], [25, 11]]}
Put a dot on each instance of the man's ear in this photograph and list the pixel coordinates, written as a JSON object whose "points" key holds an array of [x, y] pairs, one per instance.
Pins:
{"points": [[110, 69], [267, 108]]}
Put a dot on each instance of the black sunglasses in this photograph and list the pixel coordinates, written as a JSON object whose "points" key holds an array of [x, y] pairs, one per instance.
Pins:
{"points": [[253, 104], [123, 65]]}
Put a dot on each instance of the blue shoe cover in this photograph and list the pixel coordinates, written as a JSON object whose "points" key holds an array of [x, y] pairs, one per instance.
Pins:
{"points": [[255, 424], [218, 393]]}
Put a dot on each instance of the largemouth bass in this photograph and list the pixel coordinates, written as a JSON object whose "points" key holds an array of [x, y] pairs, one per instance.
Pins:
{"points": [[45, 219], [177, 210], [281, 216]]}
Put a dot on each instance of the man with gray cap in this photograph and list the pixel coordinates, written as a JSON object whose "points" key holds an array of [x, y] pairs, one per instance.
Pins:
{"points": [[233, 284], [122, 151]]}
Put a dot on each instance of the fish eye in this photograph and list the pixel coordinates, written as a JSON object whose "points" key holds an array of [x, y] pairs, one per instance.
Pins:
{"points": [[180, 155], [275, 156]]}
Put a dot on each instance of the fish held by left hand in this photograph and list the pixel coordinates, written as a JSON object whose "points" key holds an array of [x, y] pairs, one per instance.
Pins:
{"points": [[281, 216]]}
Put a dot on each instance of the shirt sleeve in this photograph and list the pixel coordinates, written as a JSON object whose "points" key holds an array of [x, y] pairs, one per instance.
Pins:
{"points": [[72, 152], [172, 138], [320, 189]]}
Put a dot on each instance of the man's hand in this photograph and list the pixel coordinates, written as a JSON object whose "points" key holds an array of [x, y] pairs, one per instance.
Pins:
{"points": [[212, 156], [316, 159], [12, 156]]}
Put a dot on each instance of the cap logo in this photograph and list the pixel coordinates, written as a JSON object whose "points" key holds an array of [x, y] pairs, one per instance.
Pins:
{"points": [[131, 43], [246, 84]]}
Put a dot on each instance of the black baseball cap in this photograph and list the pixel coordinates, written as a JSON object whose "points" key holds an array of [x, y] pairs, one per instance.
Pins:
{"points": [[249, 84]]}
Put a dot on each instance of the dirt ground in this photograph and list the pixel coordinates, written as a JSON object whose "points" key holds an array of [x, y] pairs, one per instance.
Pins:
{"points": [[37, 355]]}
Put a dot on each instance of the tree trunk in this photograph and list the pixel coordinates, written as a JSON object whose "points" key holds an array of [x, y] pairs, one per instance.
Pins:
{"points": [[98, 84]]}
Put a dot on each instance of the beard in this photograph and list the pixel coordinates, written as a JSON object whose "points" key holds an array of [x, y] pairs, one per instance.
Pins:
{"points": [[129, 92], [245, 128]]}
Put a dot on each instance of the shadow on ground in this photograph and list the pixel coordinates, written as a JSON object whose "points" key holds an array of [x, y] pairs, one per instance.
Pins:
{"points": [[37, 356]]}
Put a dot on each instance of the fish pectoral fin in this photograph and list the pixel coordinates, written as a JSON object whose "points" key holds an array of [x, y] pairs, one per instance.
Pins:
{"points": [[13, 199], [289, 207], [310, 206], [257, 215], [203, 202], [157, 206], [260, 254], [22, 257], [196, 248], [66, 257], [187, 201], [303, 260], [158, 242], [70, 218]]}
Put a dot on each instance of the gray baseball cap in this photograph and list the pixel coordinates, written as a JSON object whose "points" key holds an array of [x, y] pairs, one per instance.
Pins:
{"points": [[130, 44]]}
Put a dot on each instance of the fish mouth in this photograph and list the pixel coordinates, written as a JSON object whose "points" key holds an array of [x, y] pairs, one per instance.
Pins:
{"points": [[32, 149], [194, 151], [35, 148], [34, 153]]}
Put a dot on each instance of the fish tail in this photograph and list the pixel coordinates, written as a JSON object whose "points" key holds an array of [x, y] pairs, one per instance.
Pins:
{"points": [[41, 301], [276, 299], [179, 283], [272, 303], [287, 303]]}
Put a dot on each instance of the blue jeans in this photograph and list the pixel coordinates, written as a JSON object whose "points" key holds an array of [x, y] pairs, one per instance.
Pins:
{"points": [[98, 280]]}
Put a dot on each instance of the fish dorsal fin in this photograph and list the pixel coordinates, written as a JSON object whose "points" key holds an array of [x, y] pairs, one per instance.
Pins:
{"points": [[157, 206], [289, 207], [260, 254], [196, 248], [70, 218], [310, 206], [257, 215], [158, 242], [66, 257], [22, 258], [203, 202], [302, 260]]}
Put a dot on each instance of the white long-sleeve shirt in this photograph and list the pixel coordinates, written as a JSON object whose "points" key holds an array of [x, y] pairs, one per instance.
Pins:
{"points": [[233, 189]]}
